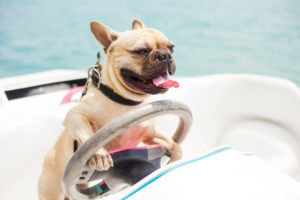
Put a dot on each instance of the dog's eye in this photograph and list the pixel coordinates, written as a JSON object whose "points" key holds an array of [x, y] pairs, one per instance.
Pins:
{"points": [[142, 51], [171, 48]]}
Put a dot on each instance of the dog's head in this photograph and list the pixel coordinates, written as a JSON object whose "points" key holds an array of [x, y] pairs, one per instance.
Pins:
{"points": [[140, 59]]}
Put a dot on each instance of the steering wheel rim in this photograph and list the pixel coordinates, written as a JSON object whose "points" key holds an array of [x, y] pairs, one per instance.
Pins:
{"points": [[77, 170]]}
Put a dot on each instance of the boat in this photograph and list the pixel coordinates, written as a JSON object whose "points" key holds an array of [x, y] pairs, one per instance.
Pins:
{"points": [[243, 143]]}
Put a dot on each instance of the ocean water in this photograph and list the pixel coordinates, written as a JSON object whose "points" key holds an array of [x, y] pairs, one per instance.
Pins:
{"points": [[215, 36]]}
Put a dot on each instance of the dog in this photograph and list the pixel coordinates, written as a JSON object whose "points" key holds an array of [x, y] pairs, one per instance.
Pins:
{"points": [[138, 64]]}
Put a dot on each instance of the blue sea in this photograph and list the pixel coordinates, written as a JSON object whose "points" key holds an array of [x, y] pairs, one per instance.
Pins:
{"points": [[211, 36]]}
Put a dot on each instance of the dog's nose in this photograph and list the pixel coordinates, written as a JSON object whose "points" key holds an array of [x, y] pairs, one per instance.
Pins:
{"points": [[163, 56]]}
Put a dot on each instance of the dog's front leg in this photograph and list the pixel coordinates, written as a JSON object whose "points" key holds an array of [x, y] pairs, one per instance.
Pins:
{"points": [[78, 125], [153, 136]]}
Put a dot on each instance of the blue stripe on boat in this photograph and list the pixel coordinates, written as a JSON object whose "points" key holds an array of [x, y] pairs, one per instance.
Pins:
{"points": [[173, 168]]}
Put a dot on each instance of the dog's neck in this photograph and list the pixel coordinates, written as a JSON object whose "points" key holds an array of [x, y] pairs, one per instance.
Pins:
{"points": [[111, 94]]}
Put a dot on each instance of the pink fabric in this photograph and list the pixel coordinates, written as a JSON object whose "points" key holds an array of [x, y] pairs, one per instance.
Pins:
{"points": [[133, 148], [72, 91]]}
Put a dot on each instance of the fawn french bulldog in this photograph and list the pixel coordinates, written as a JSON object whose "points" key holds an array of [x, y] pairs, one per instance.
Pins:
{"points": [[138, 64]]}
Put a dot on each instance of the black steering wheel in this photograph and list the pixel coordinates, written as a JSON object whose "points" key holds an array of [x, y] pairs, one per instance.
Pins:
{"points": [[148, 159]]}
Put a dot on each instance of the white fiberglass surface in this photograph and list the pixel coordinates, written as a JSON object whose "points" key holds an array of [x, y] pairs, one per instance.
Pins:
{"points": [[254, 114], [221, 106], [223, 173]]}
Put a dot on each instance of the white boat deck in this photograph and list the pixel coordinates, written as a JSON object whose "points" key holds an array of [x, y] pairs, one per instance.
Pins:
{"points": [[253, 114]]}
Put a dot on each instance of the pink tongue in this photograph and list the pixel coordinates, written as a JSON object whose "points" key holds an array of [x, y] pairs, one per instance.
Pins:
{"points": [[165, 82]]}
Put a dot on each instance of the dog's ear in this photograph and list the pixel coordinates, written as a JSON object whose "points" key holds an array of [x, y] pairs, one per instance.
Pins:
{"points": [[103, 34], [137, 24]]}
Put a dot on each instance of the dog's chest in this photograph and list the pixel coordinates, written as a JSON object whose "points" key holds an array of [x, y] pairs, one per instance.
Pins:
{"points": [[130, 138], [104, 111]]}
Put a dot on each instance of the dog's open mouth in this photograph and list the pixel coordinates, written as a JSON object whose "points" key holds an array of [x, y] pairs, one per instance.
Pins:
{"points": [[158, 83]]}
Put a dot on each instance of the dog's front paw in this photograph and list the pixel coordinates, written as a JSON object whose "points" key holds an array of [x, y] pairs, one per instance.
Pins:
{"points": [[175, 151], [101, 161], [172, 147]]}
